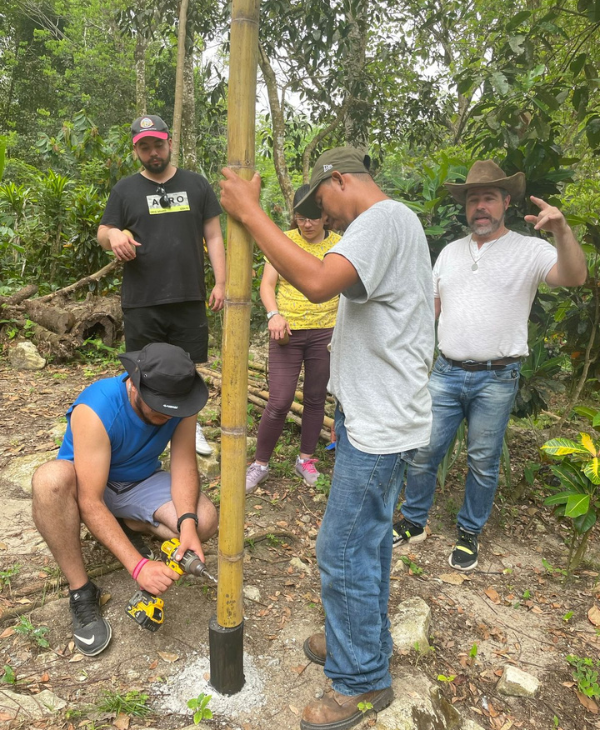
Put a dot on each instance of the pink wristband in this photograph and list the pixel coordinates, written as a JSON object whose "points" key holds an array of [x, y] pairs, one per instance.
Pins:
{"points": [[138, 568]]}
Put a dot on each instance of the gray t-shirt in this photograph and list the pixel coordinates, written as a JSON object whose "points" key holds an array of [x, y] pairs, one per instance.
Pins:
{"points": [[383, 341]]}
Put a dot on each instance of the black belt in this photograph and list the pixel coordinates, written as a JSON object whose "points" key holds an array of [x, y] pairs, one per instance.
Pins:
{"points": [[489, 365]]}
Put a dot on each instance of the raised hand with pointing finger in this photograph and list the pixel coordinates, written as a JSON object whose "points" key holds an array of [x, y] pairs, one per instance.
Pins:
{"points": [[548, 219]]}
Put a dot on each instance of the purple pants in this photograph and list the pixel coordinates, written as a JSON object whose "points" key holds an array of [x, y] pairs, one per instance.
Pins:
{"points": [[285, 362]]}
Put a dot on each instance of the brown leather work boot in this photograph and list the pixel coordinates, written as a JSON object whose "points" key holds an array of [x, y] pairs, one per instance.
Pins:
{"points": [[340, 712], [315, 648]]}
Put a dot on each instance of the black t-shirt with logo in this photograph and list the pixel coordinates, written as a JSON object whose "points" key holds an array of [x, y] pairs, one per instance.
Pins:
{"points": [[169, 265]]}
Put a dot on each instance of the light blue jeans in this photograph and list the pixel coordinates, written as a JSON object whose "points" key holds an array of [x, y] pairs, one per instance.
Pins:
{"points": [[354, 553], [485, 398]]}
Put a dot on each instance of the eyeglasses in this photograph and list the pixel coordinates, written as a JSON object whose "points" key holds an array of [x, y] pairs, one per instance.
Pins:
{"points": [[302, 221], [164, 200]]}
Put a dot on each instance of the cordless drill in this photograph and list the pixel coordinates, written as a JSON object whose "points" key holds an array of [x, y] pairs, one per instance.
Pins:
{"points": [[189, 563], [147, 610]]}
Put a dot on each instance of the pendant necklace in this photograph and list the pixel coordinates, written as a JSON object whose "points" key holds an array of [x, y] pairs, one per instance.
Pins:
{"points": [[475, 264]]}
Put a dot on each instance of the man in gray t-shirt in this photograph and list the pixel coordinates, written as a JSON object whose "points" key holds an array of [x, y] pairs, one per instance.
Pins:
{"points": [[381, 354], [484, 286]]}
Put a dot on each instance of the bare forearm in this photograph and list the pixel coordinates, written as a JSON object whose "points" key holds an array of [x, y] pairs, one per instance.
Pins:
{"points": [[216, 255], [185, 488], [103, 237], [571, 263]]}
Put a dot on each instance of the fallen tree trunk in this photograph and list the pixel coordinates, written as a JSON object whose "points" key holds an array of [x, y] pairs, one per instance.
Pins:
{"points": [[96, 276], [54, 319], [19, 296]]}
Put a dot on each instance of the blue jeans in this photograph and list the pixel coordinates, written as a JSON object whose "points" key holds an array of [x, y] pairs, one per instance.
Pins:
{"points": [[354, 553], [485, 398]]}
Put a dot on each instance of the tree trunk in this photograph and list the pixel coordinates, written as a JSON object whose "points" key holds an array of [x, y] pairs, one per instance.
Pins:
{"points": [[140, 74], [188, 130], [178, 106], [357, 120], [278, 125]]}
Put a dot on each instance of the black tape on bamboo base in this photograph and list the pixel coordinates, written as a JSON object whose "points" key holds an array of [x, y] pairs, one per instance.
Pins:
{"points": [[226, 657]]}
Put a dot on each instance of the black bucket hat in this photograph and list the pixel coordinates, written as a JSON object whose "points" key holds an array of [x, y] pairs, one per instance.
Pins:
{"points": [[166, 379]]}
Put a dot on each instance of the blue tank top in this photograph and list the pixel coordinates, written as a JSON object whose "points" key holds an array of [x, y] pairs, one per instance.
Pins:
{"points": [[135, 445]]}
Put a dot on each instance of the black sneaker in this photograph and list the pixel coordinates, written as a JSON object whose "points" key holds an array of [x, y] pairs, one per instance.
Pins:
{"points": [[406, 532], [136, 539], [464, 554], [90, 631]]}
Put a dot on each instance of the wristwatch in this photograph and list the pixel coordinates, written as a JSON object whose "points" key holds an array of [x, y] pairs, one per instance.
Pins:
{"points": [[271, 314]]}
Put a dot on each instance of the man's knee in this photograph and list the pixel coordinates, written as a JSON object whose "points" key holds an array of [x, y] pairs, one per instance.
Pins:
{"points": [[208, 519], [53, 480]]}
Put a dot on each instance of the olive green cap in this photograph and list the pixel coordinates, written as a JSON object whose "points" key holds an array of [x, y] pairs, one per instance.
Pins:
{"points": [[338, 159]]}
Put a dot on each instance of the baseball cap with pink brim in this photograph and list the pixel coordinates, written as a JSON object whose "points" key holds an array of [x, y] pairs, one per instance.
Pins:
{"points": [[149, 126]]}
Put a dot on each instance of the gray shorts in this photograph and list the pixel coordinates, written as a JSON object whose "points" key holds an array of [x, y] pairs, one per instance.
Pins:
{"points": [[139, 500]]}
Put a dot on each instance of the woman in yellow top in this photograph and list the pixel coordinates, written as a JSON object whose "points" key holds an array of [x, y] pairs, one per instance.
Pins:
{"points": [[300, 332]]}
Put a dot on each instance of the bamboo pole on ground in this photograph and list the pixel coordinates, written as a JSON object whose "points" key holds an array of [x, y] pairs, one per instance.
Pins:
{"points": [[226, 633]]}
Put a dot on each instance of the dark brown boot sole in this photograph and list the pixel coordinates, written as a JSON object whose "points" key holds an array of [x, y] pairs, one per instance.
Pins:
{"points": [[311, 655]]}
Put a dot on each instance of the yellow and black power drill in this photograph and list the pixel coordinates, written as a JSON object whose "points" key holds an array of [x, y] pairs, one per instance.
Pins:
{"points": [[190, 563], [147, 610]]}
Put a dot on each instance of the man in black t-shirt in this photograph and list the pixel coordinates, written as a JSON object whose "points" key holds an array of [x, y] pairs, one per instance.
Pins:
{"points": [[155, 222]]}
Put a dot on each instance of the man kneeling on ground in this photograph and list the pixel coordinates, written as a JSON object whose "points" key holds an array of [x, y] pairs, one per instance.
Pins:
{"points": [[107, 475]]}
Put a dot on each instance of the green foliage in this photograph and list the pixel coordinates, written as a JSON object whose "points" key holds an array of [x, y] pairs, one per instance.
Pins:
{"points": [[412, 567], [444, 678], [323, 484], [9, 676], [578, 496], [199, 705], [585, 673], [364, 707], [36, 634], [131, 703], [8, 573]]}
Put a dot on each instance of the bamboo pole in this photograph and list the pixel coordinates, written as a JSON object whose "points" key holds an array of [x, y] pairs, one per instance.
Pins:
{"points": [[226, 631]]}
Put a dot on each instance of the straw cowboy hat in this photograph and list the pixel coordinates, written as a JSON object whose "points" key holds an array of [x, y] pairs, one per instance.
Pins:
{"points": [[487, 174]]}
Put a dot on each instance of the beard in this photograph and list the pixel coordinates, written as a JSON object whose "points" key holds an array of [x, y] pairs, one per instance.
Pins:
{"points": [[484, 226], [157, 166], [160, 420]]}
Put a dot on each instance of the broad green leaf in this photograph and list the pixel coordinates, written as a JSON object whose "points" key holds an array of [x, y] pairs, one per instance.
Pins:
{"points": [[592, 470], [500, 82], [560, 498], [578, 63], [571, 477], [596, 421], [585, 522], [577, 504], [516, 21], [589, 413], [587, 443], [562, 447]]}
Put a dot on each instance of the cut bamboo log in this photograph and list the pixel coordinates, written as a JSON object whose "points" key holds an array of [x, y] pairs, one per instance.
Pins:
{"points": [[226, 631]]}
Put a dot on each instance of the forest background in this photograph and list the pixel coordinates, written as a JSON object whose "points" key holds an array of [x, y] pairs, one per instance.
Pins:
{"points": [[425, 87]]}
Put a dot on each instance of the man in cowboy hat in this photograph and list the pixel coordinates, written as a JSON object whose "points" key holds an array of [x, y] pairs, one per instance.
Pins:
{"points": [[108, 475], [484, 286]]}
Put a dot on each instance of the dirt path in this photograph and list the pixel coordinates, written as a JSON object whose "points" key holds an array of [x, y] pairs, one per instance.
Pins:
{"points": [[510, 610]]}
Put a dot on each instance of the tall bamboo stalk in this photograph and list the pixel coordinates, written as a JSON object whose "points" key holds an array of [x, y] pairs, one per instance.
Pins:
{"points": [[236, 336]]}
